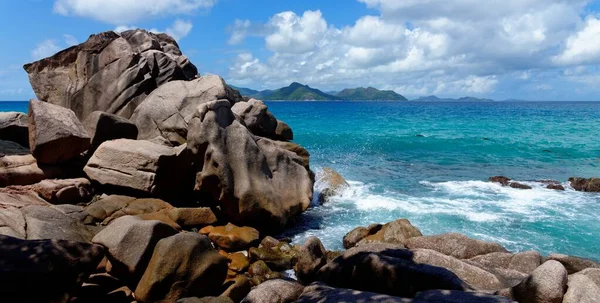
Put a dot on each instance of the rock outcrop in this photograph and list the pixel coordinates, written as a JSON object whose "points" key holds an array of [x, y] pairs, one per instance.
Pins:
{"points": [[259, 120], [116, 71], [587, 185]]}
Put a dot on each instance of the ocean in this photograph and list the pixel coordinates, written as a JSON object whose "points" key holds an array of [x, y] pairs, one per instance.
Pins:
{"points": [[429, 163]]}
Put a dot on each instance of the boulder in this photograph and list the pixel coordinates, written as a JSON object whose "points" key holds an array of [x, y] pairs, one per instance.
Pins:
{"points": [[321, 293], [239, 263], [44, 270], [389, 271], [108, 208], [275, 291], [283, 132], [449, 296], [237, 289], [116, 71], [168, 110], [141, 166], [58, 191], [311, 257], [257, 118], [43, 222], [581, 289], [587, 185], [234, 238], [103, 127], [330, 183], [395, 232], [10, 148], [24, 170], [518, 185], [547, 284], [193, 217], [525, 262], [183, 265], [593, 274], [504, 181], [256, 181], [574, 264], [55, 133], [281, 257], [354, 236], [14, 127], [455, 245], [130, 242], [555, 186]]}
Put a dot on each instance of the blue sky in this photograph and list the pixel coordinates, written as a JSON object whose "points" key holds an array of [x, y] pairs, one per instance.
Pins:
{"points": [[527, 49]]}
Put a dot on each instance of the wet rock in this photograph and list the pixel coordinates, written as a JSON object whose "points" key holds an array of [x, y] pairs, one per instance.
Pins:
{"points": [[547, 284], [280, 257], [183, 265], [256, 181], [141, 166], [55, 133], [104, 127], [581, 289], [275, 291], [130, 242], [586, 185], [574, 264], [455, 245], [500, 179], [518, 185], [311, 257], [555, 187], [234, 238], [239, 262], [14, 127], [44, 270], [321, 293], [395, 232], [332, 183]]}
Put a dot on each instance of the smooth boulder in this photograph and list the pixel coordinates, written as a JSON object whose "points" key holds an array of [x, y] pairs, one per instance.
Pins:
{"points": [[581, 289], [55, 133], [395, 232], [234, 238], [547, 284], [455, 245], [330, 183], [311, 257], [24, 170], [275, 291]]}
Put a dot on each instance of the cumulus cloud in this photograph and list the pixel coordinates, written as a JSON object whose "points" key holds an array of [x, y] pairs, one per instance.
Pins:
{"points": [[70, 40], [119, 12], [45, 49], [422, 46], [178, 30]]}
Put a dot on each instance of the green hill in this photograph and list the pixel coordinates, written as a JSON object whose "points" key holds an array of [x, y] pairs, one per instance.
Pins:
{"points": [[297, 91], [369, 93]]}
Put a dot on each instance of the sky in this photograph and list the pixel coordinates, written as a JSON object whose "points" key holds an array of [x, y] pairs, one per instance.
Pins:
{"points": [[500, 49]]}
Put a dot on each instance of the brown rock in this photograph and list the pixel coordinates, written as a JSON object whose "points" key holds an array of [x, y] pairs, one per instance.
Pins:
{"points": [[24, 170], [574, 264], [206, 230], [331, 182], [55, 133], [555, 186], [239, 262], [268, 242], [275, 291], [237, 289], [518, 185], [112, 207], [359, 233], [587, 185], [547, 284], [276, 257], [233, 238], [455, 245], [581, 289], [66, 191], [257, 117], [193, 217], [500, 179], [283, 131], [162, 217], [311, 257], [395, 232]]}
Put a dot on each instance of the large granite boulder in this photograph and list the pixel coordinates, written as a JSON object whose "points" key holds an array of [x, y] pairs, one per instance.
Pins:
{"points": [[257, 117], [103, 127], [141, 166], [283, 131], [525, 262], [44, 270], [354, 236], [116, 71], [547, 284], [183, 265], [55, 133], [455, 245], [130, 243], [14, 127], [193, 217], [275, 291], [24, 170], [256, 181], [58, 191], [168, 110]]}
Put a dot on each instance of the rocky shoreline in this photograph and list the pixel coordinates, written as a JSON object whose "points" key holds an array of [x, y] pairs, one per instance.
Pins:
{"points": [[134, 179]]}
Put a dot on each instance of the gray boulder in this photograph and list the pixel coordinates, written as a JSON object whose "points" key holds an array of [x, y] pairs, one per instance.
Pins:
{"points": [[525, 262], [455, 245], [141, 166], [55, 133], [547, 284], [183, 265], [574, 264], [256, 181], [14, 127], [10, 148], [275, 291], [116, 71], [168, 110], [103, 127], [581, 289], [130, 242]]}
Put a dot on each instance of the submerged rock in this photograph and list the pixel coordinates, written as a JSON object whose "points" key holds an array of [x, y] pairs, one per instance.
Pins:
{"points": [[332, 183], [587, 185]]}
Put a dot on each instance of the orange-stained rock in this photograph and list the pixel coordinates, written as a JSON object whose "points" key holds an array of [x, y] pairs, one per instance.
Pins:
{"points": [[234, 238]]}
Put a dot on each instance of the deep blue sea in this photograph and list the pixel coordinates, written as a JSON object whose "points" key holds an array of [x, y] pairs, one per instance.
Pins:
{"points": [[429, 162]]}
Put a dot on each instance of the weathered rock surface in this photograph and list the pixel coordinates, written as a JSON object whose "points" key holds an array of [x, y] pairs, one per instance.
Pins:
{"points": [[24, 170], [574, 264], [321, 293], [45, 222], [354, 236], [505, 181], [130, 243], [234, 238], [103, 127], [183, 265], [525, 262], [547, 284], [259, 120], [311, 257], [330, 183], [593, 274], [280, 257], [168, 110], [389, 271], [44, 270], [55, 133], [14, 127], [283, 131], [455, 245], [116, 71], [275, 291], [193, 217], [112, 207], [395, 232], [142, 166], [237, 289], [58, 191], [587, 185], [256, 182], [581, 289]]}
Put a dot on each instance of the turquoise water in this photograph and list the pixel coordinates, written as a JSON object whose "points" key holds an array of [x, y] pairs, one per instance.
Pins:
{"points": [[429, 162]]}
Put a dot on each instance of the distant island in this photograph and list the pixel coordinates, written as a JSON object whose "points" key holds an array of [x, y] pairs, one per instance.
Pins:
{"points": [[300, 92]]}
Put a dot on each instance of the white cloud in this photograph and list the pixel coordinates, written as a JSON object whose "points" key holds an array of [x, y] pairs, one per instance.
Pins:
{"points": [[179, 29], [582, 47], [45, 49], [118, 12], [295, 34], [70, 40], [372, 30]]}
